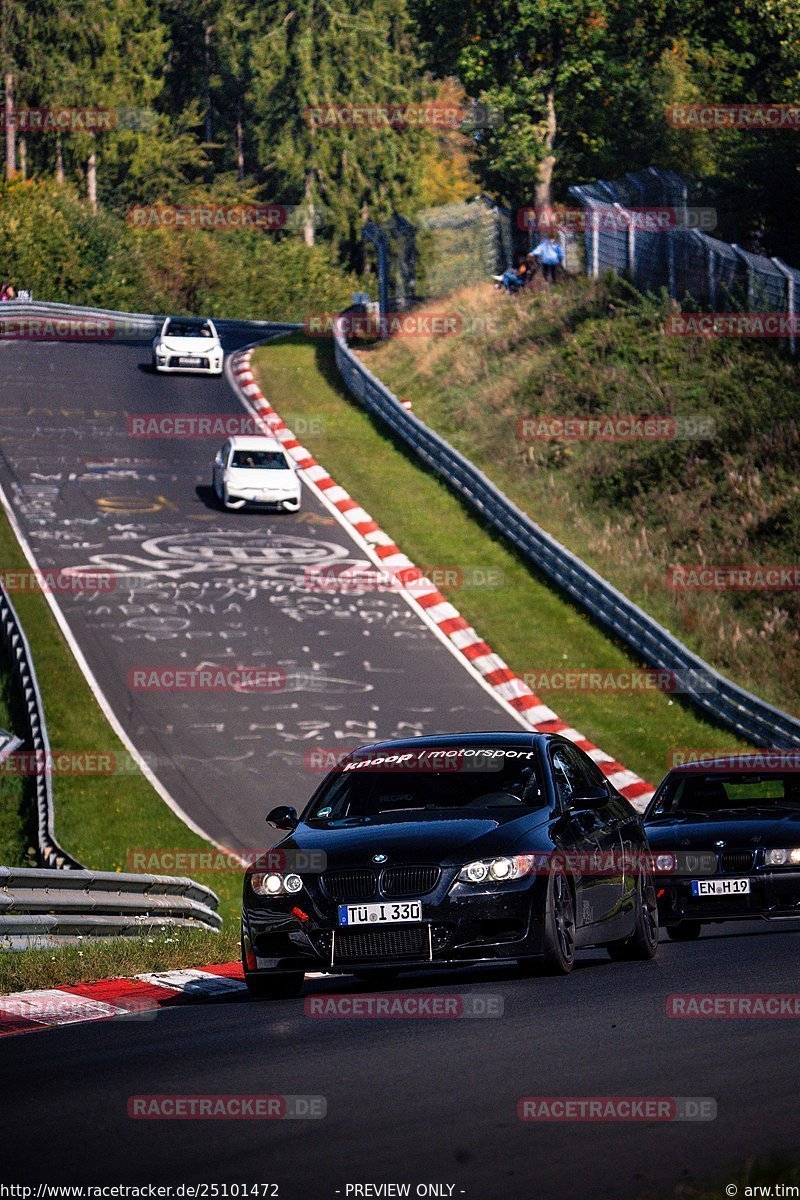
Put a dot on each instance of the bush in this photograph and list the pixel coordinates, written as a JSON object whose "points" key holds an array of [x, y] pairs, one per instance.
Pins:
{"points": [[53, 245]]}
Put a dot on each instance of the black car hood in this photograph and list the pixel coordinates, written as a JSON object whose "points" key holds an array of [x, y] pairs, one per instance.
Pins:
{"points": [[427, 839], [773, 827]]}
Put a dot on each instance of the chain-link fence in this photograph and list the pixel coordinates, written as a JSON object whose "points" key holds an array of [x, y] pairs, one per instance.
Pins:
{"points": [[440, 250], [642, 226], [453, 246], [463, 243]]}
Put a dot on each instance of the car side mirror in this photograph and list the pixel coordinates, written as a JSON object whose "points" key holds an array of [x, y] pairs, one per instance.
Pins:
{"points": [[593, 799], [283, 817]]}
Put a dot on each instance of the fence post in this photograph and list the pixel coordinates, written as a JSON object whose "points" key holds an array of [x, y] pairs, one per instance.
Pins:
{"points": [[790, 302], [712, 277], [739, 252], [631, 238], [595, 263], [671, 285]]}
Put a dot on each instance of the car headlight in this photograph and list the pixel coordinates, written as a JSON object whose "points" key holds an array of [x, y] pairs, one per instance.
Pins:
{"points": [[664, 862], [498, 870], [271, 883], [784, 857]]}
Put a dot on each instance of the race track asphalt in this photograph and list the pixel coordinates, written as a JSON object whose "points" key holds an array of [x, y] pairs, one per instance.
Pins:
{"points": [[427, 1100], [221, 589]]}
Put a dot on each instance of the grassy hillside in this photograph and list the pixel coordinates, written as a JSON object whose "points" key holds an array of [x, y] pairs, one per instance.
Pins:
{"points": [[532, 627], [631, 510]]}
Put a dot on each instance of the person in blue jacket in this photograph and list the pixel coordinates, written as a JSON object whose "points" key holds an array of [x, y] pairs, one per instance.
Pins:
{"points": [[550, 254]]}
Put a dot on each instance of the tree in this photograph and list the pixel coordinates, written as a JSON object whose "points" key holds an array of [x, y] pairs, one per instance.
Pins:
{"points": [[311, 61], [552, 69]]}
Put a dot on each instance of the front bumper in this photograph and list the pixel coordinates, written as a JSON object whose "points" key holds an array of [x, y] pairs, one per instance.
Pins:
{"points": [[263, 496], [457, 928], [166, 363], [773, 895]]}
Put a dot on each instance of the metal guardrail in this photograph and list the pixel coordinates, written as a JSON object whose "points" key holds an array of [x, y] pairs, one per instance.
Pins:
{"points": [[121, 325], [36, 739], [39, 906], [723, 701]]}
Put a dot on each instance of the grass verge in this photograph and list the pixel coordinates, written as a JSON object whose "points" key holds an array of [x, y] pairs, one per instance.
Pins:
{"points": [[109, 958], [525, 621]]}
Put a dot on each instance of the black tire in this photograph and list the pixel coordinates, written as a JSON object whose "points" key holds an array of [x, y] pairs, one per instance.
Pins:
{"points": [[274, 987], [559, 927], [643, 942], [684, 931]]}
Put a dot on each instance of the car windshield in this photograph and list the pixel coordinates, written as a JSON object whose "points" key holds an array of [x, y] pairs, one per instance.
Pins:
{"points": [[415, 783], [188, 329], [714, 792], [260, 460]]}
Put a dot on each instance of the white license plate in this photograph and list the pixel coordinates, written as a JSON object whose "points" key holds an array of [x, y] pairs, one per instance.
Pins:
{"points": [[720, 887], [191, 362], [380, 914]]}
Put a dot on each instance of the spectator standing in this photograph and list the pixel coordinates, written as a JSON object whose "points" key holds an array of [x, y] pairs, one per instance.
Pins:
{"points": [[550, 254]]}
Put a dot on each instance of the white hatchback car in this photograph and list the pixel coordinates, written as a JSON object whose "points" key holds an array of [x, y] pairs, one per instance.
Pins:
{"points": [[255, 470], [188, 344]]}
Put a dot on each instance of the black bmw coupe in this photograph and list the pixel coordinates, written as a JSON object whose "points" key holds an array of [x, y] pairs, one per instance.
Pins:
{"points": [[447, 850], [726, 841]]}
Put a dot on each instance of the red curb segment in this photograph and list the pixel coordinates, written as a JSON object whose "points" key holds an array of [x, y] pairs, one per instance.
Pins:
{"points": [[132, 995]]}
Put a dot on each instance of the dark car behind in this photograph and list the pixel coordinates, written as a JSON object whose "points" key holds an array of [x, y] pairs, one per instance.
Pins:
{"points": [[726, 841]]}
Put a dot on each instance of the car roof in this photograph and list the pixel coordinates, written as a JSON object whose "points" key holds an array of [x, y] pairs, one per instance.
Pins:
{"points": [[512, 739], [757, 760], [254, 443], [197, 320]]}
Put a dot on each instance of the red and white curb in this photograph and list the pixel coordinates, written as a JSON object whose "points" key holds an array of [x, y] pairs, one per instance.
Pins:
{"points": [[141, 996], [438, 612]]}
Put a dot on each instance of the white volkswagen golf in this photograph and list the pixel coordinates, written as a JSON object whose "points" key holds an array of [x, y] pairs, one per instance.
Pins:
{"points": [[188, 344], [255, 470]]}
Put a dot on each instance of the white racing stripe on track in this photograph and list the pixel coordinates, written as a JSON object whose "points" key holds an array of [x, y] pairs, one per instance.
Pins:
{"points": [[202, 982]]}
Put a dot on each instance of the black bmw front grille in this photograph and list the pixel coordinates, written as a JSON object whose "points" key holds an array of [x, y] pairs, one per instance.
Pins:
{"points": [[395, 882], [731, 861], [381, 944], [409, 881], [349, 885]]}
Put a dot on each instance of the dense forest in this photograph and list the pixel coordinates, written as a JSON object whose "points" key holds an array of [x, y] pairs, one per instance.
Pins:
{"points": [[120, 103]]}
